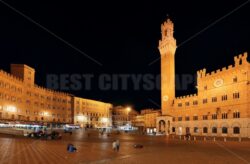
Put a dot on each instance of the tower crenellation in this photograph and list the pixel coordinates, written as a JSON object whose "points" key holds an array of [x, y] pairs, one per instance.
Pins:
{"points": [[241, 59], [167, 44]]}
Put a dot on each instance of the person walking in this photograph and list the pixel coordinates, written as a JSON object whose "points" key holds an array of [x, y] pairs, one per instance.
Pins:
{"points": [[117, 145], [114, 146]]}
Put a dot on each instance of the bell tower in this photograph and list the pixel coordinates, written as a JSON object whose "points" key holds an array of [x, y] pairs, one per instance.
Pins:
{"points": [[167, 48]]}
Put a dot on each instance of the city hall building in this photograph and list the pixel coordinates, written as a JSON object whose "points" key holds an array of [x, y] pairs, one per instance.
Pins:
{"points": [[221, 106], [23, 101]]}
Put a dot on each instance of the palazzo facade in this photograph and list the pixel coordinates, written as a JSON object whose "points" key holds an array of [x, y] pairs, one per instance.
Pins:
{"points": [[221, 106], [23, 101]]}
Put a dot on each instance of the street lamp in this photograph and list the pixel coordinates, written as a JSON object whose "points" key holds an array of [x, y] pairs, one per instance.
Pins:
{"points": [[128, 110]]}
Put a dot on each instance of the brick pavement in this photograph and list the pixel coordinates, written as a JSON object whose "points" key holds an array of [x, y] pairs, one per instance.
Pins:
{"points": [[97, 149]]}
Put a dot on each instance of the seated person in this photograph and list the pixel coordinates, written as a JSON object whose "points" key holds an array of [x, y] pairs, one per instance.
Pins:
{"points": [[71, 148]]}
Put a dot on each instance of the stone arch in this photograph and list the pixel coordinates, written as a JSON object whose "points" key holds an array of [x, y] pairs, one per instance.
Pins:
{"points": [[213, 125], [162, 126], [205, 125], [224, 127], [179, 129], [214, 128], [236, 124], [205, 128], [224, 124]]}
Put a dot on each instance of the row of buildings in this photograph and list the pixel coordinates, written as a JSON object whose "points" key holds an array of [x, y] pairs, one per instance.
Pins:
{"points": [[22, 100], [221, 106]]}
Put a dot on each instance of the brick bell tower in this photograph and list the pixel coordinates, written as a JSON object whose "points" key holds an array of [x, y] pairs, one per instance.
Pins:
{"points": [[167, 48]]}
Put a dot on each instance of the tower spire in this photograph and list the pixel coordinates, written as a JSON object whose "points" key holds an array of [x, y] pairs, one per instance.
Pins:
{"points": [[167, 48]]}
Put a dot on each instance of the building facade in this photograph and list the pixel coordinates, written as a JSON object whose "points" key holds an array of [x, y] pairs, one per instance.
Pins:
{"points": [[139, 122], [121, 116], [221, 106], [146, 121], [91, 113], [22, 100], [150, 116]]}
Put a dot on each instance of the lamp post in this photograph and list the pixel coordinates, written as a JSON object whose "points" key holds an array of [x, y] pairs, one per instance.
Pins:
{"points": [[128, 110]]}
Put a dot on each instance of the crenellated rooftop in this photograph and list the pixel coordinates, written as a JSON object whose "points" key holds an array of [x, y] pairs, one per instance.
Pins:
{"points": [[186, 97], [20, 81], [11, 77], [51, 91], [239, 60]]}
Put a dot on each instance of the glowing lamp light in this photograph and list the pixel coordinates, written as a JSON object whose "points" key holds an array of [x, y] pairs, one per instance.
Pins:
{"points": [[46, 113], [11, 108], [128, 109], [82, 118]]}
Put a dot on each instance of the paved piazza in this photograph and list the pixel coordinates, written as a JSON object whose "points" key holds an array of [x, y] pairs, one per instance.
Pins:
{"points": [[98, 149]]}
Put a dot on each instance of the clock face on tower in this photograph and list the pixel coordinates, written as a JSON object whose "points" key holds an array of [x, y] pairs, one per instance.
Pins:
{"points": [[218, 82], [165, 98]]}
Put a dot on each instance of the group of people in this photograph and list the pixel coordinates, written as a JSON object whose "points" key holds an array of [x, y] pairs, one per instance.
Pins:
{"points": [[116, 145]]}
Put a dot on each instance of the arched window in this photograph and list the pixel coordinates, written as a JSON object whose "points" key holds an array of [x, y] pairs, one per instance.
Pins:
{"points": [[214, 130], [196, 129], [224, 130], [236, 130], [173, 129], [205, 130]]}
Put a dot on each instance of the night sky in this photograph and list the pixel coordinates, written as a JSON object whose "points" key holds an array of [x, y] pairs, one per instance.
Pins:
{"points": [[123, 36]]}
